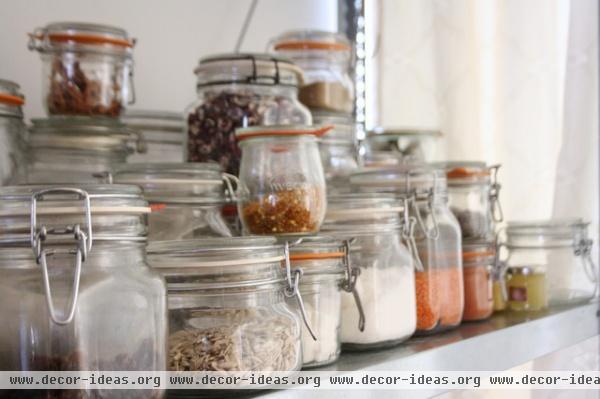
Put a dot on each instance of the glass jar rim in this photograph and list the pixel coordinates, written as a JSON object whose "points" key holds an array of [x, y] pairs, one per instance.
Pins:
{"points": [[262, 247], [464, 173], [248, 68], [149, 120], [380, 133], [546, 233], [478, 253], [158, 180], [402, 179], [58, 36]]}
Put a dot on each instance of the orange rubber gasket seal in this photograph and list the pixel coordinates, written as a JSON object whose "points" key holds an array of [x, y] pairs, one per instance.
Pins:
{"points": [[458, 173], [475, 254], [315, 256], [10, 99], [311, 45], [88, 39], [283, 132]]}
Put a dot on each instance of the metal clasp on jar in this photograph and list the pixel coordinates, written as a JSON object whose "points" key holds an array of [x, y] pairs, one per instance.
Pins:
{"points": [[408, 233], [500, 266], [495, 207], [429, 197], [583, 248], [83, 246], [292, 288], [231, 193], [349, 285]]}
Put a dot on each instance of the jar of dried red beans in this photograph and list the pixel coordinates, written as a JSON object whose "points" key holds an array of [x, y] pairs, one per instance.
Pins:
{"points": [[87, 69], [282, 184], [240, 90]]}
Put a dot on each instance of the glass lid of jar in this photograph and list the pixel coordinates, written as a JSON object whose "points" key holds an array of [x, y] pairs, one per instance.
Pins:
{"points": [[478, 253], [465, 173], [84, 133], [11, 99], [116, 212], [546, 233], [248, 68], [344, 127], [189, 183], [392, 134], [219, 263], [280, 131], [402, 179], [79, 36], [155, 121], [305, 46]]}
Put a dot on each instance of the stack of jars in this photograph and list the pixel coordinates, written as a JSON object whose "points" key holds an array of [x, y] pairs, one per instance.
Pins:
{"points": [[473, 193], [328, 92]]}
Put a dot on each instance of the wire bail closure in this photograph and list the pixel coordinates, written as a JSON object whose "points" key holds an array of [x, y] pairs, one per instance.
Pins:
{"points": [[292, 288], [349, 285], [584, 249], [230, 192], [84, 245], [408, 234], [495, 206]]}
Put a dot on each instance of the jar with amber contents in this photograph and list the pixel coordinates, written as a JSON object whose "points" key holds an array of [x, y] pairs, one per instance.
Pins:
{"points": [[282, 185], [478, 263]]}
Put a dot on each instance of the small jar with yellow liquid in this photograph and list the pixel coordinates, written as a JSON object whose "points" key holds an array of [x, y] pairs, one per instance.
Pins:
{"points": [[527, 288]]}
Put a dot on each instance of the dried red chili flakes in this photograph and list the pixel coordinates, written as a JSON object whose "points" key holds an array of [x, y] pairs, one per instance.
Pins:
{"points": [[286, 211], [71, 92]]}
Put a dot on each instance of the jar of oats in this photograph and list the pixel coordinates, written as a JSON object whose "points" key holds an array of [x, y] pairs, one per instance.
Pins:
{"points": [[227, 304]]}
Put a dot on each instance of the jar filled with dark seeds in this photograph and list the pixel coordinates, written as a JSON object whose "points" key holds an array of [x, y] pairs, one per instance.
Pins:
{"points": [[473, 196], [240, 90]]}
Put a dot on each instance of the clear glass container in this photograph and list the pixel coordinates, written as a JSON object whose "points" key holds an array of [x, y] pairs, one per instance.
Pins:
{"points": [[326, 273], [12, 132], [227, 305], [473, 193], [325, 58], [527, 288], [386, 281], [187, 199], [76, 291], [161, 131], [282, 185], [559, 248], [73, 149], [338, 148], [478, 265], [439, 286], [389, 147], [240, 90], [87, 68]]}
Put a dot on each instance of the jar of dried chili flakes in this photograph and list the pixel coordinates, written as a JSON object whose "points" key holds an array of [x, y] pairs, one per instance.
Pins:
{"points": [[282, 184], [439, 287], [88, 68], [240, 90]]}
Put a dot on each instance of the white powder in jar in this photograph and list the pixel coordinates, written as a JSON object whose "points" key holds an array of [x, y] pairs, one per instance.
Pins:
{"points": [[323, 310], [388, 299]]}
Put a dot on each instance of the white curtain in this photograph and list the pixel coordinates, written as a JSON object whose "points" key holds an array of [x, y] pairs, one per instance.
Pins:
{"points": [[507, 81]]}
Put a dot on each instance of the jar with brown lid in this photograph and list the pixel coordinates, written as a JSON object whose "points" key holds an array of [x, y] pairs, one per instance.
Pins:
{"points": [[87, 68], [240, 90]]}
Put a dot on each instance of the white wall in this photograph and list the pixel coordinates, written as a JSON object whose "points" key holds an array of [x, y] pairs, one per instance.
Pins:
{"points": [[171, 35]]}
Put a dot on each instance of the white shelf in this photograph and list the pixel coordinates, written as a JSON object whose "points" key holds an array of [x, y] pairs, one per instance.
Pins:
{"points": [[502, 342]]}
